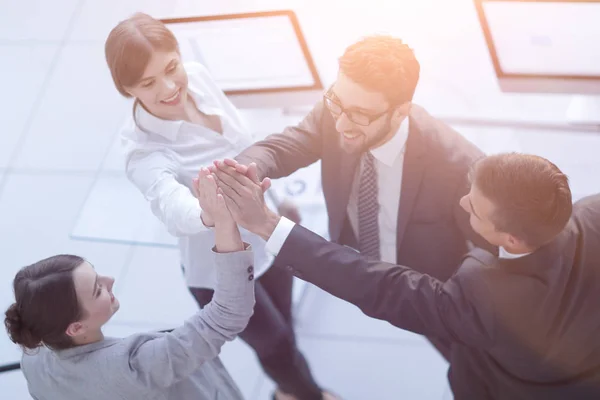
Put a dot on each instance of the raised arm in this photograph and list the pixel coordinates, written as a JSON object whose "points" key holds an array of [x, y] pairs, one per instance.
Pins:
{"points": [[457, 310], [282, 154], [169, 358], [155, 176]]}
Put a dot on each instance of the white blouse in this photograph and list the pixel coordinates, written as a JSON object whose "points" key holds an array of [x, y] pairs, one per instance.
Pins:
{"points": [[162, 159]]}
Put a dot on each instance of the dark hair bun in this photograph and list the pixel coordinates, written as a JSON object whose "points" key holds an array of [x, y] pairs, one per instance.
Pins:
{"points": [[17, 332]]}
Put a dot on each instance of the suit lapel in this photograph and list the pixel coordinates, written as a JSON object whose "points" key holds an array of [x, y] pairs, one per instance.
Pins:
{"points": [[412, 174], [339, 169]]}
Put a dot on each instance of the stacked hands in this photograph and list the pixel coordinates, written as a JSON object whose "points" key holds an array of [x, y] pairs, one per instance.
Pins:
{"points": [[230, 193]]}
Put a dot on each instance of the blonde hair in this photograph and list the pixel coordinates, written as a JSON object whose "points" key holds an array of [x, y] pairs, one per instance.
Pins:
{"points": [[384, 64], [130, 46]]}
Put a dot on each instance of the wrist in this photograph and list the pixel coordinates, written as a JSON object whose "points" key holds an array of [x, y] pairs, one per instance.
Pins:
{"points": [[265, 230], [228, 238], [226, 226], [206, 220]]}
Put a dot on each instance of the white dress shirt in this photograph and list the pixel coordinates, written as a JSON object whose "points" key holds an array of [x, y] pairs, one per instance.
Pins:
{"points": [[164, 156], [389, 160], [502, 253]]}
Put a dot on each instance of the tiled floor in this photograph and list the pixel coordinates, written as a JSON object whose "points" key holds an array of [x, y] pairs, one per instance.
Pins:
{"points": [[59, 171]]}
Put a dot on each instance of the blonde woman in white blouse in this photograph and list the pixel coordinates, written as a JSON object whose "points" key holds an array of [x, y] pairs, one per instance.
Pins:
{"points": [[182, 122]]}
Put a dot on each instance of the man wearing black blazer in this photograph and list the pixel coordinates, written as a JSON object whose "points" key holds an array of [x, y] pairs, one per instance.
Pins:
{"points": [[391, 173], [523, 325]]}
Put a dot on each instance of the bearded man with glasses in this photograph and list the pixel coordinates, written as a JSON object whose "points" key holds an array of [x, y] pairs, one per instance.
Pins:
{"points": [[392, 174]]}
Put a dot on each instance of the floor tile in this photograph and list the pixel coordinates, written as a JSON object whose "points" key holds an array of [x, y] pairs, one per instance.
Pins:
{"points": [[491, 140], [243, 366], [14, 385], [79, 115], [575, 153], [153, 290], [114, 163], [571, 147], [38, 212], [9, 352], [30, 65], [98, 18], [35, 20], [373, 369], [583, 178], [115, 211]]}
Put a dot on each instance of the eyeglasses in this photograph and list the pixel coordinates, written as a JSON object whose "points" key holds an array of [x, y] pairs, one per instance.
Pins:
{"points": [[356, 117]]}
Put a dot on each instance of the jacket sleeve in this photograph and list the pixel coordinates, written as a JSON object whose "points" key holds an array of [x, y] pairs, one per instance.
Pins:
{"points": [[169, 358], [456, 310], [282, 154]]}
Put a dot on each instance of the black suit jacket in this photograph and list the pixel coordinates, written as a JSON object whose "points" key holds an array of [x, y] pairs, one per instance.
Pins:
{"points": [[526, 328], [432, 229]]}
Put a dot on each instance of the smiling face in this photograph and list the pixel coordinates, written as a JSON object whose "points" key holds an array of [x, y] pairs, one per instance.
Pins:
{"points": [[364, 119], [373, 92], [162, 89]]}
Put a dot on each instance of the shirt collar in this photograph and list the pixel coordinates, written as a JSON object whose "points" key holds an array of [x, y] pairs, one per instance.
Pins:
{"points": [[86, 348], [502, 253], [168, 128], [389, 152]]}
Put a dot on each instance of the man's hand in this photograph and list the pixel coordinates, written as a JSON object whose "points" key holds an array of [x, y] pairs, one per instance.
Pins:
{"points": [[206, 190], [251, 171], [245, 200], [286, 208], [289, 209]]}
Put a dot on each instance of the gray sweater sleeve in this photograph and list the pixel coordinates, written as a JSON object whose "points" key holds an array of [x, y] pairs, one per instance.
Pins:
{"points": [[169, 358]]}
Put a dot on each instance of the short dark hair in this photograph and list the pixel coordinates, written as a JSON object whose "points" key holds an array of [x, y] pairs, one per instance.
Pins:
{"points": [[531, 195], [45, 303], [383, 64]]}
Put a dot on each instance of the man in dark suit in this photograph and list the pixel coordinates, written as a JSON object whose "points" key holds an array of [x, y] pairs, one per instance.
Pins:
{"points": [[523, 325], [391, 173]]}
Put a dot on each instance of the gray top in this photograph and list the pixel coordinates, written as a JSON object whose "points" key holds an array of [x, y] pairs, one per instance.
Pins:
{"points": [[183, 364]]}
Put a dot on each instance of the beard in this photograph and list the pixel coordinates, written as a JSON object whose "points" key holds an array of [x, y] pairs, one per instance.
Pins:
{"points": [[379, 137], [363, 142]]}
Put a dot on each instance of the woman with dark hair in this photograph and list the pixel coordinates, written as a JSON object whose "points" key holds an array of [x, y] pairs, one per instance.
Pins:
{"points": [[61, 304], [181, 122]]}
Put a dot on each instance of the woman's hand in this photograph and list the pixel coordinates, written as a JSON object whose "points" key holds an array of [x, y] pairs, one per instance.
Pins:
{"points": [[211, 201], [210, 197], [205, 216]]}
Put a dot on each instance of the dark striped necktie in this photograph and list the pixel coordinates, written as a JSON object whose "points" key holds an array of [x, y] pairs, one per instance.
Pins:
{"points": [[368, 209]]}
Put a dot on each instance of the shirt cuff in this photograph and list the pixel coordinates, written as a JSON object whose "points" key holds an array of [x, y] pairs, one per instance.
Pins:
{"points": [[280, 234], [193, 220]]}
